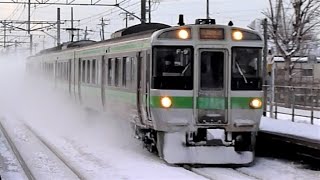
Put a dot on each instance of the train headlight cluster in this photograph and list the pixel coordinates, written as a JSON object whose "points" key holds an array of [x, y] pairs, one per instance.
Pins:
{"points": [[166, 102], [183, 34], [255, 103], [237, 35]]}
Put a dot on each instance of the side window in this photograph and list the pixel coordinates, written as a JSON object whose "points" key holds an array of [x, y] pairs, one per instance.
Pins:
{"points": [[83, 72], [109, 64], [128, 72], [124, 69], [94, 69], [88, 71], [116, 72], [133, 72]]}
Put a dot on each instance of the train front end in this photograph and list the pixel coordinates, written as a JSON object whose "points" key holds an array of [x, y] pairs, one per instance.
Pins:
{"points": [[206, 93]]}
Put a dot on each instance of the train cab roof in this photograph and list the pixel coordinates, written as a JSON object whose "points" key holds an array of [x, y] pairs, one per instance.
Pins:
{"points": [[139, 28]]}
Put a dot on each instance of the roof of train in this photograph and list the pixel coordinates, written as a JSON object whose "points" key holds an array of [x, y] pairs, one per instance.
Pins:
{"points": [[139, 30]]}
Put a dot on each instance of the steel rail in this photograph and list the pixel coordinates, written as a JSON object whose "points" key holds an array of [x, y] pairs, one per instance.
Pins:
{"points": [[23, 164]]}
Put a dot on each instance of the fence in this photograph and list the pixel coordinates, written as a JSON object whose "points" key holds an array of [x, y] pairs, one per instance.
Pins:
{"points": [[296, 103]]}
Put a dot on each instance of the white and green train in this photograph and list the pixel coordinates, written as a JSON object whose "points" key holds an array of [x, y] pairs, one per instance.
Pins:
{"points": [[192, 92]]}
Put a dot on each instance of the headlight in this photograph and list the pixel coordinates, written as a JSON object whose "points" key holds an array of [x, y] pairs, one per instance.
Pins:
{"points": [[255, 103], [237, 35], [183, 34], [166, 102]]}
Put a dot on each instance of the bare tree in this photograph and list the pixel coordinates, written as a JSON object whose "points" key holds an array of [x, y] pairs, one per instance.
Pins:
{"points": [[292, 24]]}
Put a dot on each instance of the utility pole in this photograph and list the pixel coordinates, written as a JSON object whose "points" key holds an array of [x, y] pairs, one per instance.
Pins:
{"points": [[58, 27], [143, 11], [29, 15], [264, 70], [208, 17], [102, 29], [72, 24], [149, 11], [29, 28]]}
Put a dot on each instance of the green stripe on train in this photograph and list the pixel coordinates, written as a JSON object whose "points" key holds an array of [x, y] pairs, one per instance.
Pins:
{"points": [[204, 102], [184, 102]]}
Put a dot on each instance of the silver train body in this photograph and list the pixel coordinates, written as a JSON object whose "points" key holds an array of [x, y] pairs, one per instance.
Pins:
{"points": [[193, 92]]}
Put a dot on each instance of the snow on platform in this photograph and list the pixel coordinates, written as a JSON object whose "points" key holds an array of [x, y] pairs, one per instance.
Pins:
{"points": [[307, 131]]}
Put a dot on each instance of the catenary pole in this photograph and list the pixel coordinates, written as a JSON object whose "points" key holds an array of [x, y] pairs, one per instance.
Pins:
{"points": [[58, 27], [264, 70], [208, 17], [143, 11]]}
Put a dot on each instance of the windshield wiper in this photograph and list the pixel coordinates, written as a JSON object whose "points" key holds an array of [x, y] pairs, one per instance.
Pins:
{"points": [[185, 69], [240, 71]]}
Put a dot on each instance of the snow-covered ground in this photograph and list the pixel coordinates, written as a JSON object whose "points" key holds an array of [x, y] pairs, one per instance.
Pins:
{"points": [[100, 146]]}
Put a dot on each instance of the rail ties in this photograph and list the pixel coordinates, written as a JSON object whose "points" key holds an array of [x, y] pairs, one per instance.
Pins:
{"points": [[271, 144], [23, 164], [52, 149]]}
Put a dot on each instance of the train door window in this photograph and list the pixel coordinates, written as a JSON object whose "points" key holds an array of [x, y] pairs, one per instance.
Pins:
{"points": [[128, 72], [109, 71], [93, 72], [124, 69], [83, 71], [134, 72], [212, 70], [88, 70]]}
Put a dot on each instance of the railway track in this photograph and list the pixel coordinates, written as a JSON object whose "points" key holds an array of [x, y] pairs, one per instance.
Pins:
{"points": [[215, 173], [15, 151], [284, 146], [47, 152]]}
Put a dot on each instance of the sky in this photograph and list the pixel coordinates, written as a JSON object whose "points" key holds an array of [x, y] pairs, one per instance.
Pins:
{"points": [[241, 13]]}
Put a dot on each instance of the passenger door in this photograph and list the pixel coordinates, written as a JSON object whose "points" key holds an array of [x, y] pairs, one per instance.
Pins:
{"points": [[212, 101], [142, 87]]}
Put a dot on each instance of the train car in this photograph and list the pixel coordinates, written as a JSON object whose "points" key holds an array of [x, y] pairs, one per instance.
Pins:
{"points": [[192, 92]]}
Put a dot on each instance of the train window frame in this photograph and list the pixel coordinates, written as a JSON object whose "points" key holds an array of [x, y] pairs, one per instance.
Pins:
{"points": [[83, 71], [211, 82], [128, 74], [255, 82], [124, 69], [165, 77], [134, 74], [116, 71], [94, 71], [109, 71], [88, 72]]}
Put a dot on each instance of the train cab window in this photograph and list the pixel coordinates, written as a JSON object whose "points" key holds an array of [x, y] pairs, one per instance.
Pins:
{"points": [[246, 69], [172, 68], [212, 70], [93, 72]]}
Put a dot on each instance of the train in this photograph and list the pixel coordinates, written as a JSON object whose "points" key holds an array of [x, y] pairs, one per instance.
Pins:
{"points": [[192, 93]]}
